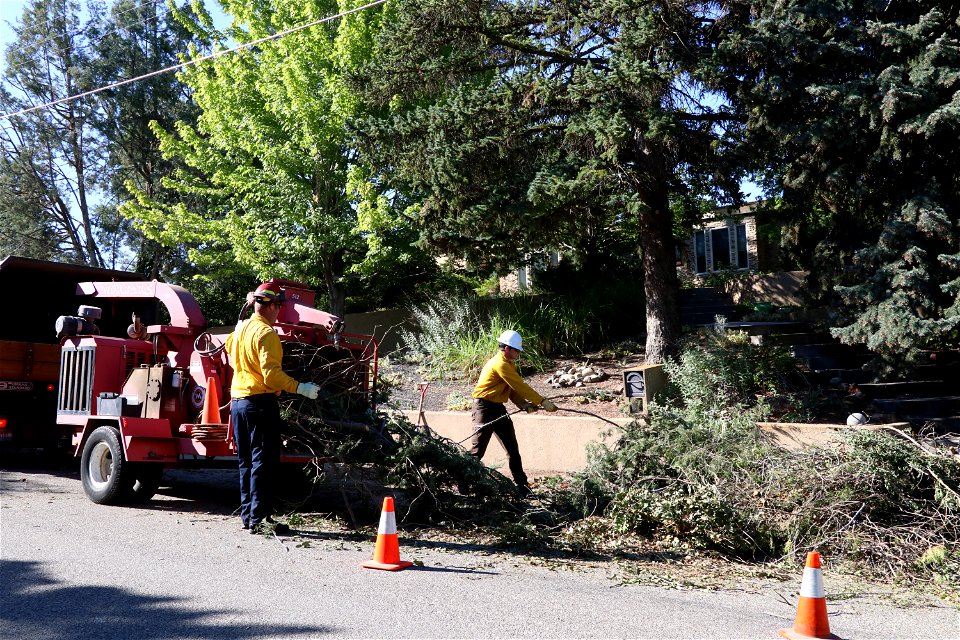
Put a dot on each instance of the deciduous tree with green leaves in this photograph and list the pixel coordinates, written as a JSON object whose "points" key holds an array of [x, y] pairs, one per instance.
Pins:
{"points": [[275, 182], [517, 126]]}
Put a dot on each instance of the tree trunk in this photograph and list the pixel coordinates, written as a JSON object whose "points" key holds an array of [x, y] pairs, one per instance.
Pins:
{"points": [[661, 285], [79, 166], [332, 276]]}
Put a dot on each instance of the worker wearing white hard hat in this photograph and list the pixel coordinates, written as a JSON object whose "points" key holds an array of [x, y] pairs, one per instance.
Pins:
{"points": [[500, 381]]}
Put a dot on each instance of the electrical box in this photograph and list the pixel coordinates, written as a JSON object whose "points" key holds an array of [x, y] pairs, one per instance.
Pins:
{"points": [[641, 384]]}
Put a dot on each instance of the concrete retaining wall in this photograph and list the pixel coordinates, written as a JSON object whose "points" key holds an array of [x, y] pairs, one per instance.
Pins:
{"points": [[548, 445], [551, 445]]}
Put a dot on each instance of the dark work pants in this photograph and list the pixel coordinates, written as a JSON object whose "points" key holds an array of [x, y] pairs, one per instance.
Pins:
{"points": [[256, 427], [486, 412]]}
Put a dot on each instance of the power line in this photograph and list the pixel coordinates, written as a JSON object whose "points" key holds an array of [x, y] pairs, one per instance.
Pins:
{"points": [[182, 65]]}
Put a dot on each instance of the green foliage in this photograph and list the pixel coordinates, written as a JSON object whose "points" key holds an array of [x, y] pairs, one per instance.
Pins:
{"points": [[456, 401], [455, 335], [719, 369], [446, 336], [270, 178], [512, 137], [850, 107], [699, 474], [903, 478], [906, 299]]}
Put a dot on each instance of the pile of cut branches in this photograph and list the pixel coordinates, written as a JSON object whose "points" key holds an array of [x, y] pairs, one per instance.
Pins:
{"points": [[432, 479], [699, 474]]}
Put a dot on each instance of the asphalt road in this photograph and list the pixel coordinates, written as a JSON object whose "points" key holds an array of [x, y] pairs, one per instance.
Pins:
{"points": [[180, 567]]}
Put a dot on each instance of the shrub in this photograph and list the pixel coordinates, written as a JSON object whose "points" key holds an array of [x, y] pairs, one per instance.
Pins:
{"points": [[699, 474]]}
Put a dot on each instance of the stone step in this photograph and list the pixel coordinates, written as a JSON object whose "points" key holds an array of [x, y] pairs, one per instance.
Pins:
{"points": [[705, 317], [837, 361], [935, 372], [790, 339], [834, 377], [765, 328], [913, 409], [701, 306], [906, 389], [702, 292], [940, 426]]}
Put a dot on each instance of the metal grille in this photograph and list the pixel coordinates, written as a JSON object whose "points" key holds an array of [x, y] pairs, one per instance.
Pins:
{"points": [[133, 360], [76, 380]]}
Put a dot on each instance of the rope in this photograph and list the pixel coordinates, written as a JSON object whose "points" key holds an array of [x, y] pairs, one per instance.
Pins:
{"points": [[580, 411]]}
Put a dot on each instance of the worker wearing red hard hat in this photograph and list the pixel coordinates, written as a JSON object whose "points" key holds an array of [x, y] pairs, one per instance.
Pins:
{"points": [[499, 381], [255, 353]]}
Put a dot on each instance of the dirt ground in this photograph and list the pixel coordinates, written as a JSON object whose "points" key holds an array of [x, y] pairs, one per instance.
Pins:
{"points": [[605, 398]]}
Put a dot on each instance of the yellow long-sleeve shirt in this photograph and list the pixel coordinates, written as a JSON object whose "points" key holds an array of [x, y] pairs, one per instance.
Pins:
{"points": [[255, 354], [499, 382]]}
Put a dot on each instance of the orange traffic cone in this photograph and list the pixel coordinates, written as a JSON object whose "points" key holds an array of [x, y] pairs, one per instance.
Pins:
{"points": [[387, 553], [211, 403], [811, 621]]}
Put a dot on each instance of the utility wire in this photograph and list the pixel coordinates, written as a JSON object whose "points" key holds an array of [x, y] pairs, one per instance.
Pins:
{"points": [[182, 65]]}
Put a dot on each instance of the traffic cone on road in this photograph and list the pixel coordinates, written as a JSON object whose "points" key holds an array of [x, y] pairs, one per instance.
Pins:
{"points": [[811, 620], [211, 403], [386, 555]]}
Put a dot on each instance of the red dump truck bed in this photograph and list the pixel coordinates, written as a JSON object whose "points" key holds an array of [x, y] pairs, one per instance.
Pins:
{"points": [[30, 349]]}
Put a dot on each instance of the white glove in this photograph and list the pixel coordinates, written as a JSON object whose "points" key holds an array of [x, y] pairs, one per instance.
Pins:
{"points": [[309, 390]]}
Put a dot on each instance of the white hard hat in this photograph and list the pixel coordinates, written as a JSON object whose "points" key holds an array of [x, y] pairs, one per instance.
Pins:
{"points": [[511, 339], [856, 419]]}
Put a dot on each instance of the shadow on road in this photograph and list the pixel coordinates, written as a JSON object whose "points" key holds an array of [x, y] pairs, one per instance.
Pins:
{"points": [[36, 606]]}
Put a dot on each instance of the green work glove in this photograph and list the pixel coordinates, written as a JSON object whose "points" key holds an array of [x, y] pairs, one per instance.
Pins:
{"points": [[530, 407], [548, 405]]}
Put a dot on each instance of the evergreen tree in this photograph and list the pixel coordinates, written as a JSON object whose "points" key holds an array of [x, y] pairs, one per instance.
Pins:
{"points": [[517, 126], [135, 39], [53, 149], [23, 231], [853, 105]]}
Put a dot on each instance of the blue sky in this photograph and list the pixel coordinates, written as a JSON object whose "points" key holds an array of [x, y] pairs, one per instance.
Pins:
{"points": [[11, 10]]}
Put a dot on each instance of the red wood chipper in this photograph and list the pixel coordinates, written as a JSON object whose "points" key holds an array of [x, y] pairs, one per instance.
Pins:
{"points": [[159, 396]]}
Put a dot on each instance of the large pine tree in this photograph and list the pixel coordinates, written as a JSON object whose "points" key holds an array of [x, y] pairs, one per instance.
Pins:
{"points": [[854, 106], [520, 125]]}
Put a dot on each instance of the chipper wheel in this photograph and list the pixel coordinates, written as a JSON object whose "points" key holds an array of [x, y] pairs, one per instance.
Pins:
{"points": [[147, 477], [105, 474]]}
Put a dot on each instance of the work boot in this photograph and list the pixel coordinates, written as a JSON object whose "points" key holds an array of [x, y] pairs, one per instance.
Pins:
{"points": [[524, 490], [270, 526]]}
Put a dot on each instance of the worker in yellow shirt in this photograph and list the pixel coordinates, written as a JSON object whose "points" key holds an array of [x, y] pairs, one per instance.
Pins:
{"points": [[255, 354], [499, 381]]}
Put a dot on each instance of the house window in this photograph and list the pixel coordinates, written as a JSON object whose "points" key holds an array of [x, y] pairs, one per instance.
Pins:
{"points": [[700, 246], [721, 248], [720, 243], [742, 261]]}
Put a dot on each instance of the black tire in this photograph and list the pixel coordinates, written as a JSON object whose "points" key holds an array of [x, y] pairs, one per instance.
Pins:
{"points": [[147, 477], [103, 470]]}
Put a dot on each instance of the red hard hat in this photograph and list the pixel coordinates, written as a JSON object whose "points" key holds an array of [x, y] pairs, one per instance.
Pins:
{"points": [[269, 292]]}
